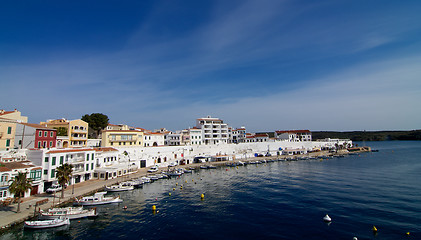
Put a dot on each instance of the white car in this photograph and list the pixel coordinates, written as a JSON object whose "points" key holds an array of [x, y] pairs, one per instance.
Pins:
{"points": [[54, 188], [153, 169]]}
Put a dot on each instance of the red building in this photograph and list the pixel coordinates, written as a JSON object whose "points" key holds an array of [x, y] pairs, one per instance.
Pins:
{"points": [[29, 135]]}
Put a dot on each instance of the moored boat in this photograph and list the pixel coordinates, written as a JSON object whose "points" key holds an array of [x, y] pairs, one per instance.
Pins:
{"points": [[46, 223], [97, 199], [119, 188], [68, 212]]}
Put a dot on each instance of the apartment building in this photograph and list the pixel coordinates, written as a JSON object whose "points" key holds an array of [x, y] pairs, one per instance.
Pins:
{"points": [[294, 135], [8, 120], [10, 169], [77, 131], [30, 135], [195, 136], [214, 130], [82, 159], [239, 135], [122, 138]]}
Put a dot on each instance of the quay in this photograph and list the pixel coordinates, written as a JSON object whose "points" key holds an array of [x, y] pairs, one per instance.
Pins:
{"points": [[31, 205]]}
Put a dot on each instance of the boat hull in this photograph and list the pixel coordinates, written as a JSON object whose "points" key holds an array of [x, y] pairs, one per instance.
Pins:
{"points": [[46, 224]]}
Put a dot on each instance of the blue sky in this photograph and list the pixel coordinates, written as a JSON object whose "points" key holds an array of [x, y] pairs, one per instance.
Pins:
{"points": [[266, 64]]}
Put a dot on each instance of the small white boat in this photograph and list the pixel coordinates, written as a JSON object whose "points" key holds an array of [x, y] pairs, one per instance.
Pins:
{"points": [[119, 188], [145, 179], [97, 199], [327, 218], [47, 223], [153, 177], [68, 212]]}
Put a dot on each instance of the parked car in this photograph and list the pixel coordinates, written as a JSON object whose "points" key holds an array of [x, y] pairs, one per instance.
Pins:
{"points": [[54, 188]]}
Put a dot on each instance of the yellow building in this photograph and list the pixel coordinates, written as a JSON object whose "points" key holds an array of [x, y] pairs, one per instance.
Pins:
{"points": [[77, 131], [122, 138], [8, 120]]}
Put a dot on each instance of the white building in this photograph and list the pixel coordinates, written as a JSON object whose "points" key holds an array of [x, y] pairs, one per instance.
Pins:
{"points": [[152, 139], [294, 135], [10, 169], [239, 135], [82, 159], [110, 165], [214, 130], [172, 139], [195, 136]]}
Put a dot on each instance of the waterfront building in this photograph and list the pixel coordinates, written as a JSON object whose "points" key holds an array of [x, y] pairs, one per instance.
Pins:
{"points": [[82, 159], [172, 139], [7, 134], [109, 165], [195, 136], [8, 120], [214, 130], [122, 138], [239, 135], [118, 127], [30, 135], [76, 131], [293, 135], [10, 169], [153, 139]]}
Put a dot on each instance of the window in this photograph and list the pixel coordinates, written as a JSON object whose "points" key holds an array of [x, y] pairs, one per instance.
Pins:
{"points": [[7, 142], [44, 144], [53, 173], [51, 134], [40, 134], [9, 130], [45, 134], [45, 172], [92, 166], [92, 158], [61, 160], [53, 162], [39, 144], [51, 143], [87, 156], [46, 159], [87, 167]]}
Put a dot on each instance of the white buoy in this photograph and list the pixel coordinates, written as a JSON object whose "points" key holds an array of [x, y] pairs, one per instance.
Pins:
{"points": [[354, 238], [327, 218]]}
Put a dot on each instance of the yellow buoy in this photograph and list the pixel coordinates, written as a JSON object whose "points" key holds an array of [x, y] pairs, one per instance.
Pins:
{"points": [[181, 187], [169, 194], [153, 208], [173, 189], [202, 196], [407, 233], [192, 180], [374, 229], [186, 181], [176, 184]]}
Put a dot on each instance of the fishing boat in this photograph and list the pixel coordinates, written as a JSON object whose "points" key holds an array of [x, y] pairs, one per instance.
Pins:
{"points": [[97, 199], [68, 212], [145, 179], [46, 223], [119, 188]]}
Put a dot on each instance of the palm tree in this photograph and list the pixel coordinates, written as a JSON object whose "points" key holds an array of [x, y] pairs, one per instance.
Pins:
{"points": [[20, 185], [64, 174]]}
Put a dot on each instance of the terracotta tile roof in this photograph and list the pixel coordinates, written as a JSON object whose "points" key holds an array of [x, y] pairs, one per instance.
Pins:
{"points": [[294, 131], [105, 149], [38, 126], [122, 131], [5, 169], [71, 150], [16, 165]]}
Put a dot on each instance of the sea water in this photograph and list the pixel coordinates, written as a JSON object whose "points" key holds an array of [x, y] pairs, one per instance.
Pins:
{"points": [[277, 200]]}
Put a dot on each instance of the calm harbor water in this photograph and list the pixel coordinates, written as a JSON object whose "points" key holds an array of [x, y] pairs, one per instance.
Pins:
{"points": [[279, 200]]}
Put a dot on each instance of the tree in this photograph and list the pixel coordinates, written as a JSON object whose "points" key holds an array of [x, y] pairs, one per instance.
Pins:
{"points": [[63, 175], [96, 121], [61, 131], [20, 185]]}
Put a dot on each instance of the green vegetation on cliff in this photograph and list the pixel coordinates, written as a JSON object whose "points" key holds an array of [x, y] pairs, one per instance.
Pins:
{"points": [[370, 135]]}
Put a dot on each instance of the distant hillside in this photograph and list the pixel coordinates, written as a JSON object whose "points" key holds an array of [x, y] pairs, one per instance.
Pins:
{"points": [[370, 135]]}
